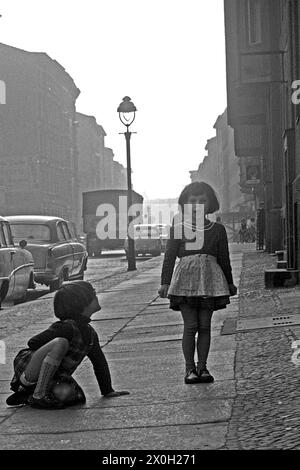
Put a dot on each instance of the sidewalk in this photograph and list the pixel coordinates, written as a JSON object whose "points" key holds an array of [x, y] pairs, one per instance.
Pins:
{"points": [[254, 402], [141, 337]]}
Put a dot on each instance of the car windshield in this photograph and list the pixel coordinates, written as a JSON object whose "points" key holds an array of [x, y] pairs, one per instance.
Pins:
{"points": [[33, 233]]}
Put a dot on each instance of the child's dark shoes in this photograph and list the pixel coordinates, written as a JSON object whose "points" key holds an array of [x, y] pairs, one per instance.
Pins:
{"points": [[205, 376], [191, 377], [20, 397]]}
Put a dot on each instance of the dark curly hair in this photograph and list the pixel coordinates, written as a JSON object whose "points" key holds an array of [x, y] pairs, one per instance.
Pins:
{"points": [[196, 189], [71, 299]]}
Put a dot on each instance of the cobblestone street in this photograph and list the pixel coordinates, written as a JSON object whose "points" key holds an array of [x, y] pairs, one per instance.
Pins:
{"points": [[266, 410]]}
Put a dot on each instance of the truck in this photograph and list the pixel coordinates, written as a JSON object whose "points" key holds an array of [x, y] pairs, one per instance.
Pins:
{"points": [[105, 218]]}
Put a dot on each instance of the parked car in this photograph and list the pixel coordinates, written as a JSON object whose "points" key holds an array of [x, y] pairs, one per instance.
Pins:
{"points": [[82, 239], [16, 266], [57, 253], [146, 240]]}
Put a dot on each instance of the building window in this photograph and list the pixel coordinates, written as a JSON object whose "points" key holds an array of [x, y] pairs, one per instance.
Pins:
{"points": [[254, 22]]}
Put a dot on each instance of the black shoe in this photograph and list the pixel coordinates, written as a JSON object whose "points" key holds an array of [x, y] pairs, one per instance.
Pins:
{"points": [[48, 402], [191, 377], [205, 376], [21, 396]]}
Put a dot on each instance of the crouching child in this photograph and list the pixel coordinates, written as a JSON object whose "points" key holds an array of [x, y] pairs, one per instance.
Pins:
{"points": [[43, 371]]}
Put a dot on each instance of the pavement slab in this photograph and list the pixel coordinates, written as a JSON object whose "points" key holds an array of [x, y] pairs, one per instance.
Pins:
{"points": [[145, 393], [116, 314], [146, 319], [199, 436], [25, 421], [169, 369], [141, 334], [141, 348], [158, 394]]}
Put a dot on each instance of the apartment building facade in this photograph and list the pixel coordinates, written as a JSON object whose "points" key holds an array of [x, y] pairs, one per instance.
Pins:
{"points": [[38, 153], [263, 68], [220, 168]]}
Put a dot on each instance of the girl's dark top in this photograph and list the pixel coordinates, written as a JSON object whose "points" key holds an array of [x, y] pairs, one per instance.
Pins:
{"points": [[215, 244], [83, 341]]}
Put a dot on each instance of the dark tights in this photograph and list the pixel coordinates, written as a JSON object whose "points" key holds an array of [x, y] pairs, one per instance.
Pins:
{"points": [[195, 321]]}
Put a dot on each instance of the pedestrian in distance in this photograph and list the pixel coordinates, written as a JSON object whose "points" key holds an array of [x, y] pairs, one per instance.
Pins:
{"points": [[243, 232], [202, 282], [43, 371], [252, 230]]}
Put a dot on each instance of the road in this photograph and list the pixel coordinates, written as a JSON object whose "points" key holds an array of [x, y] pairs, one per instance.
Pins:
{"points": [[109, 264], [104, 272]]}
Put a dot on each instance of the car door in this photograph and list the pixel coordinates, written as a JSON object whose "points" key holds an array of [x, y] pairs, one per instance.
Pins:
{"points": [[20, 267], [7, 278], [63, 250]]}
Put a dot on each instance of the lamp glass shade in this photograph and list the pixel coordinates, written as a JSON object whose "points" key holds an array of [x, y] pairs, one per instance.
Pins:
{"points": [[127, 118]]}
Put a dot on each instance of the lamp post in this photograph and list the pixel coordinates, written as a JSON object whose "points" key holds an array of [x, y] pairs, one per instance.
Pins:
{"points": [[126, 112]]}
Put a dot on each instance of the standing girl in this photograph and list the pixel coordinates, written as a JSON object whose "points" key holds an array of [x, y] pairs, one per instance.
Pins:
{"points": [[43, 371], [202, 282]]}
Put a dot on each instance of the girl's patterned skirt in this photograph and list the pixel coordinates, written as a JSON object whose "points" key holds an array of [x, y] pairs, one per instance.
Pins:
{"points": [[199, 281]]}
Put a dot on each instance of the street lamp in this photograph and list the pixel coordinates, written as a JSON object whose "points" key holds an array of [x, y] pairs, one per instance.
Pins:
{"points": [[126, 112]]}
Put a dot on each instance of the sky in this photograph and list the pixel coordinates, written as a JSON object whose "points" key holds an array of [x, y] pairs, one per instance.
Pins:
{"points": [[167, 55]]}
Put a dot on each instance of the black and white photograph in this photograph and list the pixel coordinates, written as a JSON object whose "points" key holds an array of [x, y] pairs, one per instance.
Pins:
{"points": [[149, 229]]}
